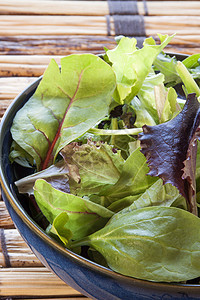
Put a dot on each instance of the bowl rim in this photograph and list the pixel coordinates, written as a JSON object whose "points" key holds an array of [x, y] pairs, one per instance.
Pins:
{"points": [[50, 241]]}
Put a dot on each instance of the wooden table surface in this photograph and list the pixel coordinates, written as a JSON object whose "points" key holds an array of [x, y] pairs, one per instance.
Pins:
{"points": [[31, 33]]}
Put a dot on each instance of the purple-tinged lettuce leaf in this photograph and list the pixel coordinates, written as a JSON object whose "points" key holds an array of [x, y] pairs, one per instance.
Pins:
{"points": [[65, 105], [84, 170], [170, 149], [57, 175], [97, 165]]}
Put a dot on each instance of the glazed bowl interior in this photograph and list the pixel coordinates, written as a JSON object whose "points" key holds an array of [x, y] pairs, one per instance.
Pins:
{"points": [[84, 275]]}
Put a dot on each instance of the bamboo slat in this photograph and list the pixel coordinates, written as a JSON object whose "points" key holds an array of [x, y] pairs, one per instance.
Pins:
{"points": [[27, 59], [53, 45], [12, 86], [57, 45], [28, 66], [92, 25], [88, 8], [58, 25], [94, 8], [18, 252], [33, 282], [5, 219]]}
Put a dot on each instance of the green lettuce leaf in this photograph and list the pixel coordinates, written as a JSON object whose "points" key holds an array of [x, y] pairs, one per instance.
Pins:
{"points": [[154, 103], [84, 216], [166, 64], [133, 179], [59, 228], [132, 65], [58, 111], [20, 156]]}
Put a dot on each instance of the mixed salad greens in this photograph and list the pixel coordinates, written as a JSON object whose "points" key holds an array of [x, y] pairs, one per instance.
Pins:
{"points": [[113, 157]]}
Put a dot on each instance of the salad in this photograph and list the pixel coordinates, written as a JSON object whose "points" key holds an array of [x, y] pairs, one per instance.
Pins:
{"points": [[109, 158]]}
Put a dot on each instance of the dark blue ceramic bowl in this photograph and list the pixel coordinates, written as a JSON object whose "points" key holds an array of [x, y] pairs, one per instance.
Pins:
{"points": [[85, 276]]}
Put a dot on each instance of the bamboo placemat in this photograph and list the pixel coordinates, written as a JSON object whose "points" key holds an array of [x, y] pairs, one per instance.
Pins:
{"points": [[31, 33], [26, 277]]}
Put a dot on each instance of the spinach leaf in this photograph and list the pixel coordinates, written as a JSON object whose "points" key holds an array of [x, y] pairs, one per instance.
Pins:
{"points": [[84, 216], [58, 111], [156, 195], [154, 243]]}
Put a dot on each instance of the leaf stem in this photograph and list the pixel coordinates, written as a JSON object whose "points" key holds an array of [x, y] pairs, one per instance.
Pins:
{"points": [[131, 131], [82, 242], [114, 126], [187, 79]]}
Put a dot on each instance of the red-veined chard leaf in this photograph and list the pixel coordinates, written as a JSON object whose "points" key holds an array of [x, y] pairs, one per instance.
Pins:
{"points": [[65, 105], [171, 147]]}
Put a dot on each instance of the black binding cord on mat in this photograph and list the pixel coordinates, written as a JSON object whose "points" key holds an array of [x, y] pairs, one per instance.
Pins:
{"points": [[145, 8], [122, 7], [129, 25], [127, 20], [4, 248]]}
